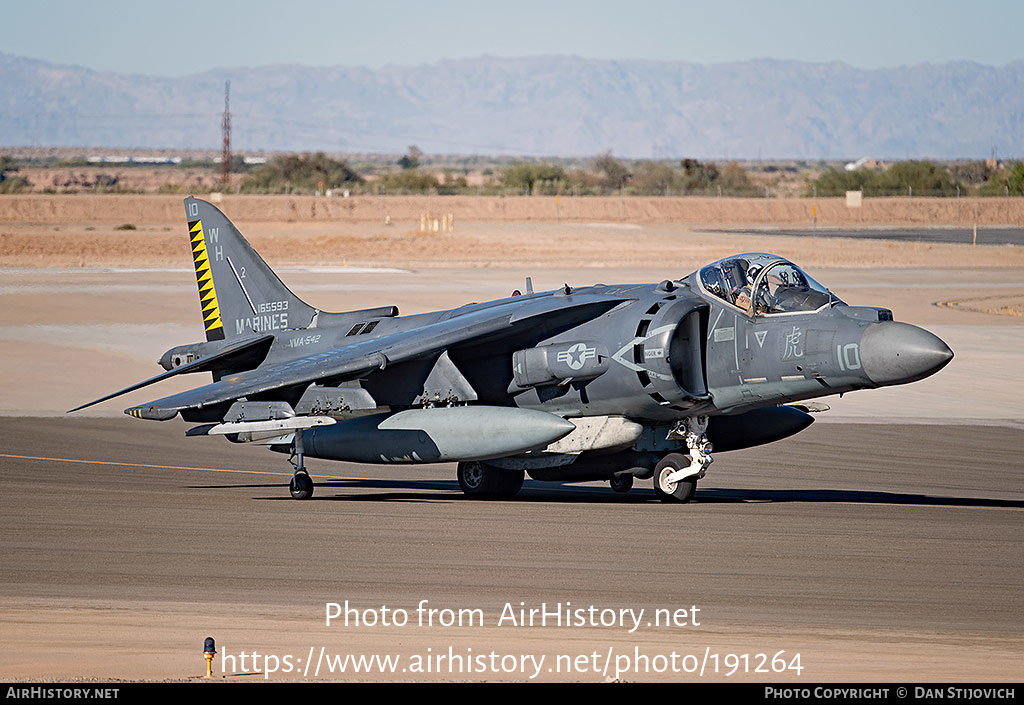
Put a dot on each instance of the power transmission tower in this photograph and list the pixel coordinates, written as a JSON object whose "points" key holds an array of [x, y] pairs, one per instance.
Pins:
{"points": [[225, 128]]}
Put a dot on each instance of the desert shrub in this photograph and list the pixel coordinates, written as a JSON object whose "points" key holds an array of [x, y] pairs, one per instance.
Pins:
{"points": [[920, 175], [734, 179], [972, 173], [409, 181], [9, 183], [412, 157], [535, 178], [614, 174], [299, 172], [700, 176], [1008, 179], [656, 178], [15, 184]]}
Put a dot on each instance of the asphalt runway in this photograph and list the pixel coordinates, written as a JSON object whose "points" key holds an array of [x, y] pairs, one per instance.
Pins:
{"points": [[883, 530], [986, 236]]}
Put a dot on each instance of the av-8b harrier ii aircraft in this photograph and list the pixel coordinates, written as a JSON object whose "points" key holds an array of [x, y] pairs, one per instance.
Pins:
{"points": [[593, 383]]}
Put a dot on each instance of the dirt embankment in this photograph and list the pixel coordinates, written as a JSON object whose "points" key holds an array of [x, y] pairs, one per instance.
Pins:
{"points": [[476, 244], [149, 231], [828, 212]]}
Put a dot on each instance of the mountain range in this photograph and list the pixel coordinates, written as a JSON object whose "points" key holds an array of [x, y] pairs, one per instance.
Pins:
{"points": [[541, 106]]}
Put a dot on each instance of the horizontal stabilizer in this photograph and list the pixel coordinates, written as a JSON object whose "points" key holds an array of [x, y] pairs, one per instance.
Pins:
{"points": [[204, 364]]}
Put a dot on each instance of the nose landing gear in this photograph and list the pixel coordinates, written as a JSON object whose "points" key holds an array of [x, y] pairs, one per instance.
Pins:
{"points": [[676, 475]]}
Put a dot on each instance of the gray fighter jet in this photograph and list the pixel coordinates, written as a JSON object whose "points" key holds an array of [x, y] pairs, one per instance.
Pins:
{"points": [[593, 383]]}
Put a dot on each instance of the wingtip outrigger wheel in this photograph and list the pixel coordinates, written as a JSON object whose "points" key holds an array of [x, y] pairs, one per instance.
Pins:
{"points": [[622, 482], [301, 485]]}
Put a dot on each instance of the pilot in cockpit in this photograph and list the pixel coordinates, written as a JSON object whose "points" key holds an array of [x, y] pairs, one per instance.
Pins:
{"points": [[746, 292], [781, 287]]}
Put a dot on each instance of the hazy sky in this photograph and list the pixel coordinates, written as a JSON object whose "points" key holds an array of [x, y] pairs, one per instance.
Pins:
{"points": [[185, 36]]}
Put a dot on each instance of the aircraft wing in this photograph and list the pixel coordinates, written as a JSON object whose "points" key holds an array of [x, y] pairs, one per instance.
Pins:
{"points": [[365, 356]]}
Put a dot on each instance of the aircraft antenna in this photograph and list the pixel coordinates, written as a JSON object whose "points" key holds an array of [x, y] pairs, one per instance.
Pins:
{"points": [[225, 129]]}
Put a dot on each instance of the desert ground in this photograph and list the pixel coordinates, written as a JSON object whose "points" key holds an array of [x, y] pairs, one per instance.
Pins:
{"points": [[883, 543]]}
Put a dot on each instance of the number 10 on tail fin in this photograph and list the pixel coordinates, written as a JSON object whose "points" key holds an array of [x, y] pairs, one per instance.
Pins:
{"points": [[239, 295]]}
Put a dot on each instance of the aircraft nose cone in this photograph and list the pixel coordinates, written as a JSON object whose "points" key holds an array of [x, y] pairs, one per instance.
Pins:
{"points": [[897, 353]]}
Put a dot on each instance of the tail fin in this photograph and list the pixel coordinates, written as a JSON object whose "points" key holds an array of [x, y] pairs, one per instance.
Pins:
{"points": [[238, 293]]}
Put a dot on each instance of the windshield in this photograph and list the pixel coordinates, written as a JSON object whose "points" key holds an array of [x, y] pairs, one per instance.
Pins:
{"points": [[784, 288], [780, 286]]}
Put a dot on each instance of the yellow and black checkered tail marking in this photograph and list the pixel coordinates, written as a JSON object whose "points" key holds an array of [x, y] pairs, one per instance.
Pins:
{"points": [[204, 278]]}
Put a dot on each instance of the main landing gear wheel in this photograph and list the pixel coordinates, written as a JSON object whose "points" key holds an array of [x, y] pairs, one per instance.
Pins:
{"points": [[621, 483], [488, 482], [301, 486], [680, 491]]}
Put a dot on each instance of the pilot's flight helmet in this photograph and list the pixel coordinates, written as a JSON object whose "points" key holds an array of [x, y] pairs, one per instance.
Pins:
{"points": [[753, 269]]}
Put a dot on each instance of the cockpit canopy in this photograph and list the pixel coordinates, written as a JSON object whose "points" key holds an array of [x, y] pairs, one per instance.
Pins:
{"points": [[763, 284]]}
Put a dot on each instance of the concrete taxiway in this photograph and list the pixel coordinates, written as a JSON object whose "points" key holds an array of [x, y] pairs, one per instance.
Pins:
{"points": [[953, 235], [875, 551]]}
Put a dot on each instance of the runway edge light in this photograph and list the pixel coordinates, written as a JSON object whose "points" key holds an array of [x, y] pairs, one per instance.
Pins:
{"points": [[209, 649]]}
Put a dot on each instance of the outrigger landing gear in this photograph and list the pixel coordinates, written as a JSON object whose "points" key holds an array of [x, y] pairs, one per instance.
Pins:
{"points": [[676, 476], [301, 485], [621, 483]]}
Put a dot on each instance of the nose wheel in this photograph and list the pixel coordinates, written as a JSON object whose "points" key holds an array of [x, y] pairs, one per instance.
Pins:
{"points": [[669, 489]]}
